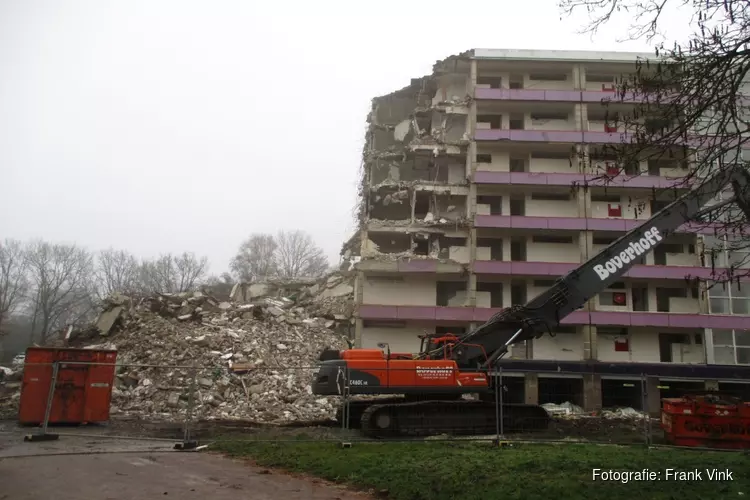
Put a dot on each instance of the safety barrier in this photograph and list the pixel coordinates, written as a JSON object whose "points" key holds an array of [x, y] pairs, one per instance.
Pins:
{"points": [[194, 405]]}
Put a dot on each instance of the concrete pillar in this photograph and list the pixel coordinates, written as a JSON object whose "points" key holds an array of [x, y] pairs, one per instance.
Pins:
{"points": [[472, 75], [580, 117], [592, 392], [653, 396], [579, 77], [711, 385], [588, 332], [358, 326], [581, 158], [531, 388], [471, 292], [471, 156]]}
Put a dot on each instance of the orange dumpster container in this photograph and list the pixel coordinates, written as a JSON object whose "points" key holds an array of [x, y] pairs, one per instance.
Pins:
{"points": [[83, 392], [711, 420]]}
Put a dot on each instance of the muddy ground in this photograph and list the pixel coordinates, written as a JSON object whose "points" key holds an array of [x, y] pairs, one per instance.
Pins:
{"points": [[130, 469]]}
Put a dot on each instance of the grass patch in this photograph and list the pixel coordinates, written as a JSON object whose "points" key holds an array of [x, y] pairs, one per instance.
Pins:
{"points": [[451, 470]]}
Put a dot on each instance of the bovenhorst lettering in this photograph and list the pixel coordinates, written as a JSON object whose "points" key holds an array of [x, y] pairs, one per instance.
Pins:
{"points": [[637, 248]]}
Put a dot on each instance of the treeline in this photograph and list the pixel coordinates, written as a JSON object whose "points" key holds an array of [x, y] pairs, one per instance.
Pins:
{"points": [[46, 287]]}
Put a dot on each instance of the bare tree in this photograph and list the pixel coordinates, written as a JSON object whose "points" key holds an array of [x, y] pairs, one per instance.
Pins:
{"points": [[116, 271], [14, 281], [299, 257], [686, 111], [256, 258], [62, 277], [173, 273]]}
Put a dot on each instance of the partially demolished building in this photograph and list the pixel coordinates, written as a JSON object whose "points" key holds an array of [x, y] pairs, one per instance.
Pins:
{"points": [[469, 204]]}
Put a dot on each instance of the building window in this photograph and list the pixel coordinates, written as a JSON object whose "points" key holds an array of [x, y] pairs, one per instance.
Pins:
{"points": [[726, 298], [731, 347]]}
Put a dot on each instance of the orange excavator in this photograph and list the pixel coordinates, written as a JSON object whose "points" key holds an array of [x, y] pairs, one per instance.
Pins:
{"points": [[431, 384]]}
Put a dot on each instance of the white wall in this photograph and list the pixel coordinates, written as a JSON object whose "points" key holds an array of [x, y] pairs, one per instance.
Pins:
{"points": [[597, 86], [409, 292], [562, 347], [548, 166], [400, 339], [644, 348], [483, 253], [459, 254], [528, 83], [549, 124], [458, 300], [551, 208], [500, 162], [632, 208], [552, 252], [683, 259], [643, 345]]}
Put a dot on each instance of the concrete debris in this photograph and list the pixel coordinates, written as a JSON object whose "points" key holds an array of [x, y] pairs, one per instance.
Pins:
{"points": [[255, 361], [564, 409], [627, 413]]}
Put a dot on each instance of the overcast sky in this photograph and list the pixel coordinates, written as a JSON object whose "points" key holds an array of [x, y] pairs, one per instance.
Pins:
{"points": [[171, 125]]}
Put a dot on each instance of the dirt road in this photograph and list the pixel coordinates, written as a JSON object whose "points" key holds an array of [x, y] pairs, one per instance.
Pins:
{"points": [[96, 468]]}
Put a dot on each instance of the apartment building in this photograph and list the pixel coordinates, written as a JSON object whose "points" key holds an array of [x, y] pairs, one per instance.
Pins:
{"points": [[475, 198]]}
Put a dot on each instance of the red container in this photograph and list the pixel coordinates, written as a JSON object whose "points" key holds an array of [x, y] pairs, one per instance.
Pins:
{"points": [[83, 392], [712, 420]]}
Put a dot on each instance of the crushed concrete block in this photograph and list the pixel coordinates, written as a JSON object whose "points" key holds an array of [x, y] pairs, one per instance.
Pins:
{"points": [[107, 320]]}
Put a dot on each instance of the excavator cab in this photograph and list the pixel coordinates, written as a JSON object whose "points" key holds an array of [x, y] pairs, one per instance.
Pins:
{"points": [[430, 342]]}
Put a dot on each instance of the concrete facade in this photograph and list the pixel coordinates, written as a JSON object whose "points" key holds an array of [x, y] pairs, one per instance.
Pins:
{"points": [[470, 205]]}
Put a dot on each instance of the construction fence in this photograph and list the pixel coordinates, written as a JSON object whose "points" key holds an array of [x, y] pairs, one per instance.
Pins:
{"points": [[201, 404]]}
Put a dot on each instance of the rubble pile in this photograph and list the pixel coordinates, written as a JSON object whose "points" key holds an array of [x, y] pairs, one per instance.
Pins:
{"points": [[617, 424], [255, 361]]}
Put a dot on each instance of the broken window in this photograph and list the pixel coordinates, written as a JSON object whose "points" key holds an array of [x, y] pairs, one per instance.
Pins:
{"points": [[594, 78], [494, 244], [495, 203], [518, 250], [495, 121], [605, 198], [450, 293], [421, 204], [484, 158], [390, 242], [551, 196], [564, 240], [517, 122], [517, 165], [666, 342], [518, 206], [516, 81], [518, 292], [493, 82], [495, 290], [391, 204], [549, 77], [421, 244], [550, 155], [549, 116]]}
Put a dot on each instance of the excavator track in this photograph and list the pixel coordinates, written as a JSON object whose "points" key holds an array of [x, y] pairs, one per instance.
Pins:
{"points": [[457, 417], [358, 407]]}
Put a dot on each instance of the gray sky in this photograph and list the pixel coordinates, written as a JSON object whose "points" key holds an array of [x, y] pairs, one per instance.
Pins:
{"points": [[163, 126]]}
